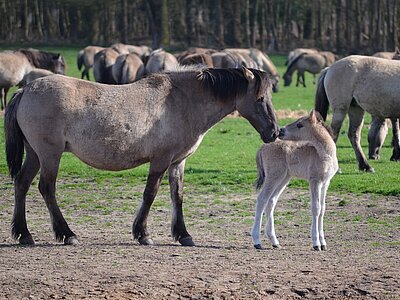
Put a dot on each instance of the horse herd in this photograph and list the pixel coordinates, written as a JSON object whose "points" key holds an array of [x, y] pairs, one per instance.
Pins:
{"points": [[152, 110]]}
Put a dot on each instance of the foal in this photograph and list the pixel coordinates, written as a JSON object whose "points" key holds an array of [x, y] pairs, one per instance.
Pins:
{"points": [[305, 149]]}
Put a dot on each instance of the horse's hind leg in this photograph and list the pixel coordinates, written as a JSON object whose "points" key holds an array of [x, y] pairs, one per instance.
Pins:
{"points": [[139, 227], [178, 227], [23, 181], [356, 121], [395, 140], [47, 187], [376, 136], [316, 208]]}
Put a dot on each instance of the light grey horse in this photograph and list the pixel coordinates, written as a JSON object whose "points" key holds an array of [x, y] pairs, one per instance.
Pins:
{"points": [[128, 68], [356, 84], [118, 127], [34, 74], [161, 61], [85, 59]]}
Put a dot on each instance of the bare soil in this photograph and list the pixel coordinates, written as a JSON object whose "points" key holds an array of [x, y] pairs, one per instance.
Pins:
{"points": [[362, 261]]}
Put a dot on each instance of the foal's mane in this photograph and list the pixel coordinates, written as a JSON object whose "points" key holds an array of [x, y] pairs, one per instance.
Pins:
{"points": [[38, 58], [228, 83]]}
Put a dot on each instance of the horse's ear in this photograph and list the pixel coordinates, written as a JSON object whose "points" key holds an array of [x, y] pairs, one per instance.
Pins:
{"points": [[313, 116], [248, 74]]}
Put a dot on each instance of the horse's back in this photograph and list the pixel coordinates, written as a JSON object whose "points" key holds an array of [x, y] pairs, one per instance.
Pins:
{"points": [[13, 67]]}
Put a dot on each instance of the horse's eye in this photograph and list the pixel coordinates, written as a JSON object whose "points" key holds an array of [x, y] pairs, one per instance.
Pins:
{"points": [[299, 125]]}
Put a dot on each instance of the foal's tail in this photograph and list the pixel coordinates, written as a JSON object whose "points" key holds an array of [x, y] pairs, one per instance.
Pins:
{"points": [[260, 170], [321, 99], [14, 136]]}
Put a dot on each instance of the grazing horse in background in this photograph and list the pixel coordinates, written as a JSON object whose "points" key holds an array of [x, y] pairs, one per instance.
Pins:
{"points": [[310, 62], [141, 51], [356, 84], [298, 51], [128, 68], [34, 74], [161, 61], [102, 66], [86, 58], [202, 59], [194, 50], [118, 127], [386, 55], [304, 149], [14, 65], [263, 63]]}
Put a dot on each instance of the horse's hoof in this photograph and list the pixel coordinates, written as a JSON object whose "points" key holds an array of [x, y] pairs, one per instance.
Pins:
{"points": [[339, 171], [258, 247], [71, 240], [277, 246], [187, 241], [394, 158], [317, 248], [324, 247], [27, 241], [146, 241]]}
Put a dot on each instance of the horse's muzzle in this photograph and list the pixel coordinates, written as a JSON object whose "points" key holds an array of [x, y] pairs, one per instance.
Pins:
{"points": [[282, 132], [269, 137]]}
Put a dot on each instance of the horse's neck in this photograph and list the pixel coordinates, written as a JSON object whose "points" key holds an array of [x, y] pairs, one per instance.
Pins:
{"points": [[323, 143]]}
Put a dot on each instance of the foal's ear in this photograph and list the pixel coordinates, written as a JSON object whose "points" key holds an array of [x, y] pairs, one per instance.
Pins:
{"points": [[247, 73], [313, 116]]}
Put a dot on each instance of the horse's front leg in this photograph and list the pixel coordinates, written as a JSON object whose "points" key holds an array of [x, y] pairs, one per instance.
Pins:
{"points": [[356, 121], [315, 191], [178, 227], [139, 227], [260, 206], [395, 141], [324, 190]]}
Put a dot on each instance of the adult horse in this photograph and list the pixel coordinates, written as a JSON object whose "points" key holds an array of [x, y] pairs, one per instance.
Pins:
{"points": [[356, 84], [263, 63], [306, 62], [85, 59], [161, 61], [128, 68], [102, 66], [14, 65], [160, 119]]}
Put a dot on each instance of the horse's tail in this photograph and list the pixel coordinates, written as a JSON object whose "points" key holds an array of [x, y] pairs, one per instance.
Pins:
{"points": [[260, 170], [80, 59], [321, 99], [14, 136]]}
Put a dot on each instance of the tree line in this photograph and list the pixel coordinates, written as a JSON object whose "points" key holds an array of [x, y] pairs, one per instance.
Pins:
{"points": [[342, 26]]}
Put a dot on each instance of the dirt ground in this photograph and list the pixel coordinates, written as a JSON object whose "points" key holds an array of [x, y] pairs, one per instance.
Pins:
{"points": [[362, 261]]}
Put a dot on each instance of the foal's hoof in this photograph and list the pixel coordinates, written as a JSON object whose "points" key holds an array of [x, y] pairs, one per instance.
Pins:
{"points": [[146, 241], [71, 240], [187, 241], [26, 241], [324, 248], [258, 247], [317, 248]]}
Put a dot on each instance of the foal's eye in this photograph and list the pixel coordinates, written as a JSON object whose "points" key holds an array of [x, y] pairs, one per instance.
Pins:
{"points": [[299, 125]]}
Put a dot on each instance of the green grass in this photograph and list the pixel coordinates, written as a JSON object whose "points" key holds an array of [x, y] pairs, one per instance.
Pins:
{"points": [[225, 161]]}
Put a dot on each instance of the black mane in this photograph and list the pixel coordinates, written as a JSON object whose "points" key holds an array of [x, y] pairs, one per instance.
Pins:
{"points": [[39, 59], [228, 83]]}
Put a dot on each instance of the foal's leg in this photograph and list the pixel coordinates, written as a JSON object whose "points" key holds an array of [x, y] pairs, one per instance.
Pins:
{"points": [[316, 207], [262, 200], [395, 141], [269, 211], [356, 121], [324, 189], [178, 227], [139, 227], [47, 186], [30, 168]]}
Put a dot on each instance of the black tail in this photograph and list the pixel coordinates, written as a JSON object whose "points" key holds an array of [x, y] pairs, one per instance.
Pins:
{"points": [[14, 136], [260, 170], [321, 99], [80, 60]]}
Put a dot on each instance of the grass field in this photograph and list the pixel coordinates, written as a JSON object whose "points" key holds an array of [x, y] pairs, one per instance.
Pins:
{"points": [[225, 161]]}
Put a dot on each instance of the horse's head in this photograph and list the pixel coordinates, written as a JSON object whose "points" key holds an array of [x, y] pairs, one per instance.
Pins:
{"points": [[275, 83], [57, 64], [256, 105], [304, 128], [287, 78]]}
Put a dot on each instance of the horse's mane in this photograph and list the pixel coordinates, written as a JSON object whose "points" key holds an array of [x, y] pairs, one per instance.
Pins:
{"points": [[38, 58], [227, 83]]}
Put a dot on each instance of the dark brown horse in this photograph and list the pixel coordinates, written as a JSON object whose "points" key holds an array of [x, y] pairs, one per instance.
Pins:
{"points": [[14, 65], [160, 119]]}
